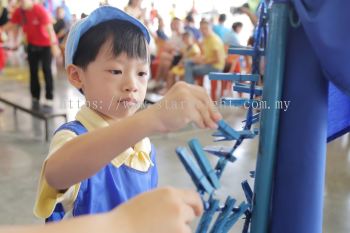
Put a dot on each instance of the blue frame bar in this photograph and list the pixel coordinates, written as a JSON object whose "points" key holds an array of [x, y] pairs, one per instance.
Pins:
{"points": [[274, 74], [244, 51], [234, 77]]}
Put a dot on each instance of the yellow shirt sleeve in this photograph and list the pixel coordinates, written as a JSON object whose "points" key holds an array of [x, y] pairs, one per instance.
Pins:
{"points": [[47, 197]]}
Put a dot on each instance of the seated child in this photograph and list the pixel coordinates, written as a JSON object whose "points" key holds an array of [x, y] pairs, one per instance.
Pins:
{"points": [[104, 157], [189, 51]]}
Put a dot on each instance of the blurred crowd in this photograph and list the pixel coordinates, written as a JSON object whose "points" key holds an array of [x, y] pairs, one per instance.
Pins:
{"points": [[193, 47]]}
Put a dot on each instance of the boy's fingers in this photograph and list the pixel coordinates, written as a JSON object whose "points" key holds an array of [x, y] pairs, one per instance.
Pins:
{"points": [[197, 118], [201, 94], [207, 105], [193, 200], [185, 229], [216, 116], [206, 116], [188, 213]]}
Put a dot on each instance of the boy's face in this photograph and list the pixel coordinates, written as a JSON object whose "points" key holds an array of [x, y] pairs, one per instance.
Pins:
{"points": [[115, 86]]}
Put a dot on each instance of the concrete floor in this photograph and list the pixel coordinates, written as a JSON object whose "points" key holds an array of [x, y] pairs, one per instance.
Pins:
{"points": [[23, 149]]}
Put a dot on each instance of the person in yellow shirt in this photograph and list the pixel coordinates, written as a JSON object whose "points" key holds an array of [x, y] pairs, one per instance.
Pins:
{"points": [[190, 51], [213, 55], [105, 157]]}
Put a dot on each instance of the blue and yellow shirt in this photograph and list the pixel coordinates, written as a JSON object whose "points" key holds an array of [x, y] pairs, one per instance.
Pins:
{"points": [[132, 172]]}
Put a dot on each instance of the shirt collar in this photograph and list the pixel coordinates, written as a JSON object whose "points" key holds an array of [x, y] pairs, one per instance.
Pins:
{"points": [[137, 157]]}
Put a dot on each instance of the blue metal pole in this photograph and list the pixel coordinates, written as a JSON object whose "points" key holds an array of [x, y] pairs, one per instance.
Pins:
{"points": [[273, 82]]}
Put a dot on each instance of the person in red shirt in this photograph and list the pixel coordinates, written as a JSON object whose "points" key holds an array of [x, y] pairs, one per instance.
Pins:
{"points": [[42, 44], [3, 20], [2, 53]]}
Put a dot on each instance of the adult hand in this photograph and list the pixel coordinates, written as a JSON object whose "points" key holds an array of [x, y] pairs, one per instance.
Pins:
{"points": [[164, 210]]}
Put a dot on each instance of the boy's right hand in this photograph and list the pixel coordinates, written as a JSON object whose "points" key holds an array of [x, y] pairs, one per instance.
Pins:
{"points": [[163, 210], [185, 103]]}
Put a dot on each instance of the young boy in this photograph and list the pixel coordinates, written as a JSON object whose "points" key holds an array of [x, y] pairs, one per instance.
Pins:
{"points": [[104, 157]]}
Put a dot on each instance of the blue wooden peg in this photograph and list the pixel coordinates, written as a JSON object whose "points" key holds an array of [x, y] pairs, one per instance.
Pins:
{"points": [[219, 137], [255, 118], [233, 218], [193, 170], [220, 166], [244, 51], [223, 216], [234, 77], [203, 162], [256, 131], [221, 152], [224, 76], [242, 133], [243, 88], [207, 216], [252, 174], [227, 130], [249, 77], [222, 136], [247, 134], [247, 192], [247, 85], [218, 134], [248, 216]]}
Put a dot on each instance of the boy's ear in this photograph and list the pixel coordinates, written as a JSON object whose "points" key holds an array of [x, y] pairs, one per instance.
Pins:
{"points": [[75, 74]]}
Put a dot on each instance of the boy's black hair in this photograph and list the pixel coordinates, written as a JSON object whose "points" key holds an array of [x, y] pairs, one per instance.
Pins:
{"points": [[123, 36]]}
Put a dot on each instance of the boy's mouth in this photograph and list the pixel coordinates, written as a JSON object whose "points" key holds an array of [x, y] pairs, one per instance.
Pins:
{"points": [[128, 101]]}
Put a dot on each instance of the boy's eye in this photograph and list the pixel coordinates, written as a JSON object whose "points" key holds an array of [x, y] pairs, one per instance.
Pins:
{"points": [[115, 72], [142, 74]]}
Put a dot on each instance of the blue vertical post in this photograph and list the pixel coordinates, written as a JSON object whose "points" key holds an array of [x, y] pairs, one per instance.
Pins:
{"points": [[273, 81]]}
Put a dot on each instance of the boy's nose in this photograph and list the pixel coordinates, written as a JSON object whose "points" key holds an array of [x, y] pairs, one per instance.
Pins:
{"points": [[130, 85]]}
